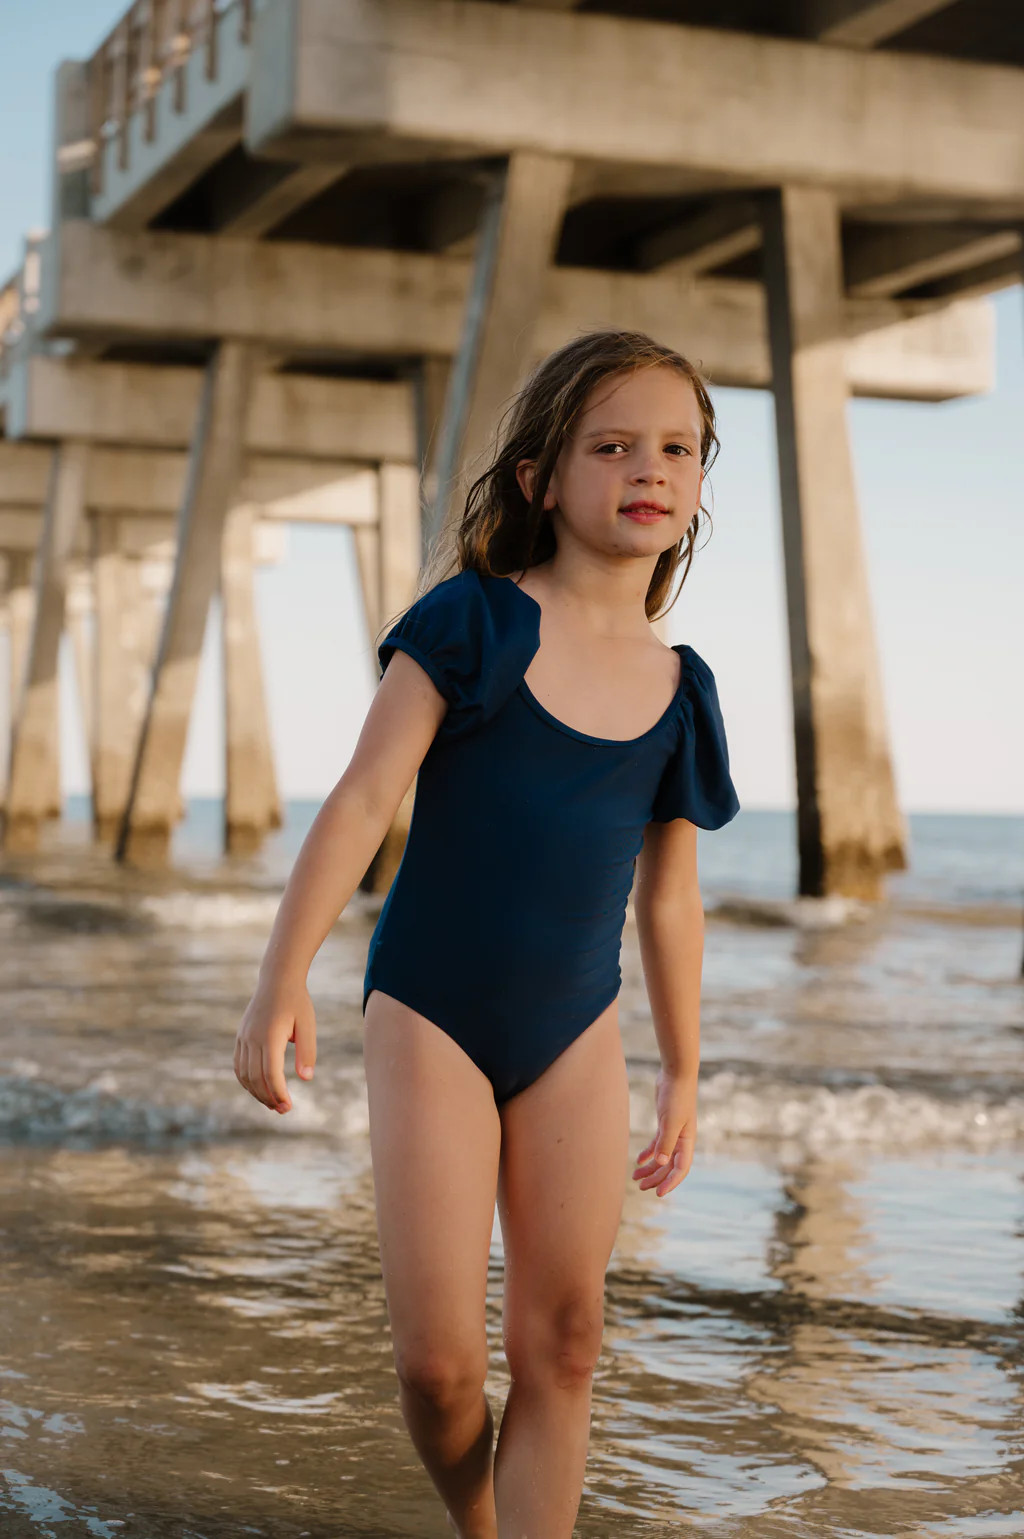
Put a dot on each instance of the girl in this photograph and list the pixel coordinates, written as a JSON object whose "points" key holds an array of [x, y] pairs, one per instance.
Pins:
{"points": [[561, 749]]}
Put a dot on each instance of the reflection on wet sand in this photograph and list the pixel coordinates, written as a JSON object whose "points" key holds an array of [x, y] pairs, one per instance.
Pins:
{"points": [[818, 1336]]}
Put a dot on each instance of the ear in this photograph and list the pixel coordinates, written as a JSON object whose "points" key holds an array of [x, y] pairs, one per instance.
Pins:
{"points": [[526, 475]]}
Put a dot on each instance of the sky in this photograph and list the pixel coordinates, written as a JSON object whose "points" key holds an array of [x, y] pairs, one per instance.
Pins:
{"points": [[941, 491]]}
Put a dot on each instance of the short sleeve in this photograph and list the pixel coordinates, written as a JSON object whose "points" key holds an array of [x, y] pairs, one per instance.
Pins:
{"points": [[696, 783], [474, 636]]}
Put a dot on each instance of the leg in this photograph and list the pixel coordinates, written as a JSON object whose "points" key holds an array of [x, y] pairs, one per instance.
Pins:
{"points": [[434, 1141], [562, 1178]]}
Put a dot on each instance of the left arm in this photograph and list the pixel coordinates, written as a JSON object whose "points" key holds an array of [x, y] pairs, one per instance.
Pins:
{"points": [[670, 926]]}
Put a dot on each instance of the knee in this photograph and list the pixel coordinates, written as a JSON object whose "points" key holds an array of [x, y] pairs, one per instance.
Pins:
{"points": [[445, 1378], [560, 1344]]}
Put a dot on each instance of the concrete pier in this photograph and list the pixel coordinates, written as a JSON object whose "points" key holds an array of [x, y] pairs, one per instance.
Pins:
{"points": [[400, 204]]}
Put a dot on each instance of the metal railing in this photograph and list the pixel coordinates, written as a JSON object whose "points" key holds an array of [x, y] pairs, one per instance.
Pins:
{"points": [[151, 44], [19, 296]]}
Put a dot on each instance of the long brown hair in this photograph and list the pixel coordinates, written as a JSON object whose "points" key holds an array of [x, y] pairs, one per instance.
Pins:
{"points": [[500, 531]]}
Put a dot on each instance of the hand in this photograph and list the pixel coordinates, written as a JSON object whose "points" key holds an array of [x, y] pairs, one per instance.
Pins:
{"points": [[275, 1016], [666, 1160]]}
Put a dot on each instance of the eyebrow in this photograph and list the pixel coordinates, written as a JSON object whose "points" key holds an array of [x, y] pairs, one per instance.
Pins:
{"points": [[625, 432]]}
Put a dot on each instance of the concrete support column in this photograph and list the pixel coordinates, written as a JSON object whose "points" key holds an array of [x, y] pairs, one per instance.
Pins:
{"points": [[515, 246], [251, 802], [18, 608], [6, 693], [34, 762], [121, 664], [398, 567], [21, 608], [431, 389], [78, 619], [366, 541], [850, 826], [215, 467]]}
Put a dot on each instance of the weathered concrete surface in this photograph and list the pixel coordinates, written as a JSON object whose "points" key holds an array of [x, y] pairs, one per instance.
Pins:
{"points": [[154, 406], [400, 77], [850, 828], [307, 297], [214, 476], [32, 772], [515, 248], [252, 805]]}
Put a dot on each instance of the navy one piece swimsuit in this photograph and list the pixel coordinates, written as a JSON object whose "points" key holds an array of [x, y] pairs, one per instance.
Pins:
{"points": [[503, 925]]}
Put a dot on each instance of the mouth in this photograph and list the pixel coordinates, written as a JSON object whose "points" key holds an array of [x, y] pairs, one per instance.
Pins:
{"points": [[645, 512]]}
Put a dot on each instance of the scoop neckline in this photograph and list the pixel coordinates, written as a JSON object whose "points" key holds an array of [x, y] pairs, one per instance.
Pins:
{"points": [[588, 737]]}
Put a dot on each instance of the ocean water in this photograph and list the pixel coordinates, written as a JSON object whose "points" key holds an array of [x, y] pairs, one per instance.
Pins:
{"points": [[818, 1335]]}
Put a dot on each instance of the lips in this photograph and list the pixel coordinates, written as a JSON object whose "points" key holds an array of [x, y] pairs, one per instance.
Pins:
{"points": [[645, 512]]}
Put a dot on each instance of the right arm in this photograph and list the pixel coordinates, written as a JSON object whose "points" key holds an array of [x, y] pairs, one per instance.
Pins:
{"points": [[346, 833]]}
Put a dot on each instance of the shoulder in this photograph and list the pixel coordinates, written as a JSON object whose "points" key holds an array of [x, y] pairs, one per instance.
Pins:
{"points": [[471, 607], [696, 783], [474, 635], [696, 673]]}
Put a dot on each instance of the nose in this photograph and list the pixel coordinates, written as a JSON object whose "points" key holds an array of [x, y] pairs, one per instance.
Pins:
{"points": [[649, 470]]}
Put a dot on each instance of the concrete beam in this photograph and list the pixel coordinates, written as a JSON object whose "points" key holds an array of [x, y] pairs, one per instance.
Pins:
{"points": [[300, 416], [134, 481], [283, 189], [850, 829], [308, 297], [454, 77], [884, 261], [865, 23], [974, 282], [151, 537], [727, 230]]}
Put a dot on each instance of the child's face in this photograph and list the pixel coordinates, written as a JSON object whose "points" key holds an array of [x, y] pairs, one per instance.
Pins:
{"points": [[637, 441]]}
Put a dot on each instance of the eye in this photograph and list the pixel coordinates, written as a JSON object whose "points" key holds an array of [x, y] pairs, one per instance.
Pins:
{"points": [[685, 449], [602, 447]]}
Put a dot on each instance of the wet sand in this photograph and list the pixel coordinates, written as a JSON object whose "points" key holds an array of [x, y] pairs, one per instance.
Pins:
{"points": [[819, 1334]]}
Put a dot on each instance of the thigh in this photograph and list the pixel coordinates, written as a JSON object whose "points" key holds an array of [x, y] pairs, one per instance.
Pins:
{"points": [[435, 1140], [562, 1179]]}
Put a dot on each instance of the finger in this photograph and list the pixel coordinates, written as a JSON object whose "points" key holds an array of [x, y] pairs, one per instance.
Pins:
{"points": [[656, 1175], [273, 1075], [304, 1037], [681, 1165], [254, 1076]]}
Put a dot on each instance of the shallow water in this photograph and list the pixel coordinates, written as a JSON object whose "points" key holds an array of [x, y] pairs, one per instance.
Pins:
{"points": [[819, 1334]]}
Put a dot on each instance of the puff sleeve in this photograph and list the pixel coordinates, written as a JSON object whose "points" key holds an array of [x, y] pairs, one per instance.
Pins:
{"points": [[696, 783], [474, 637]]}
